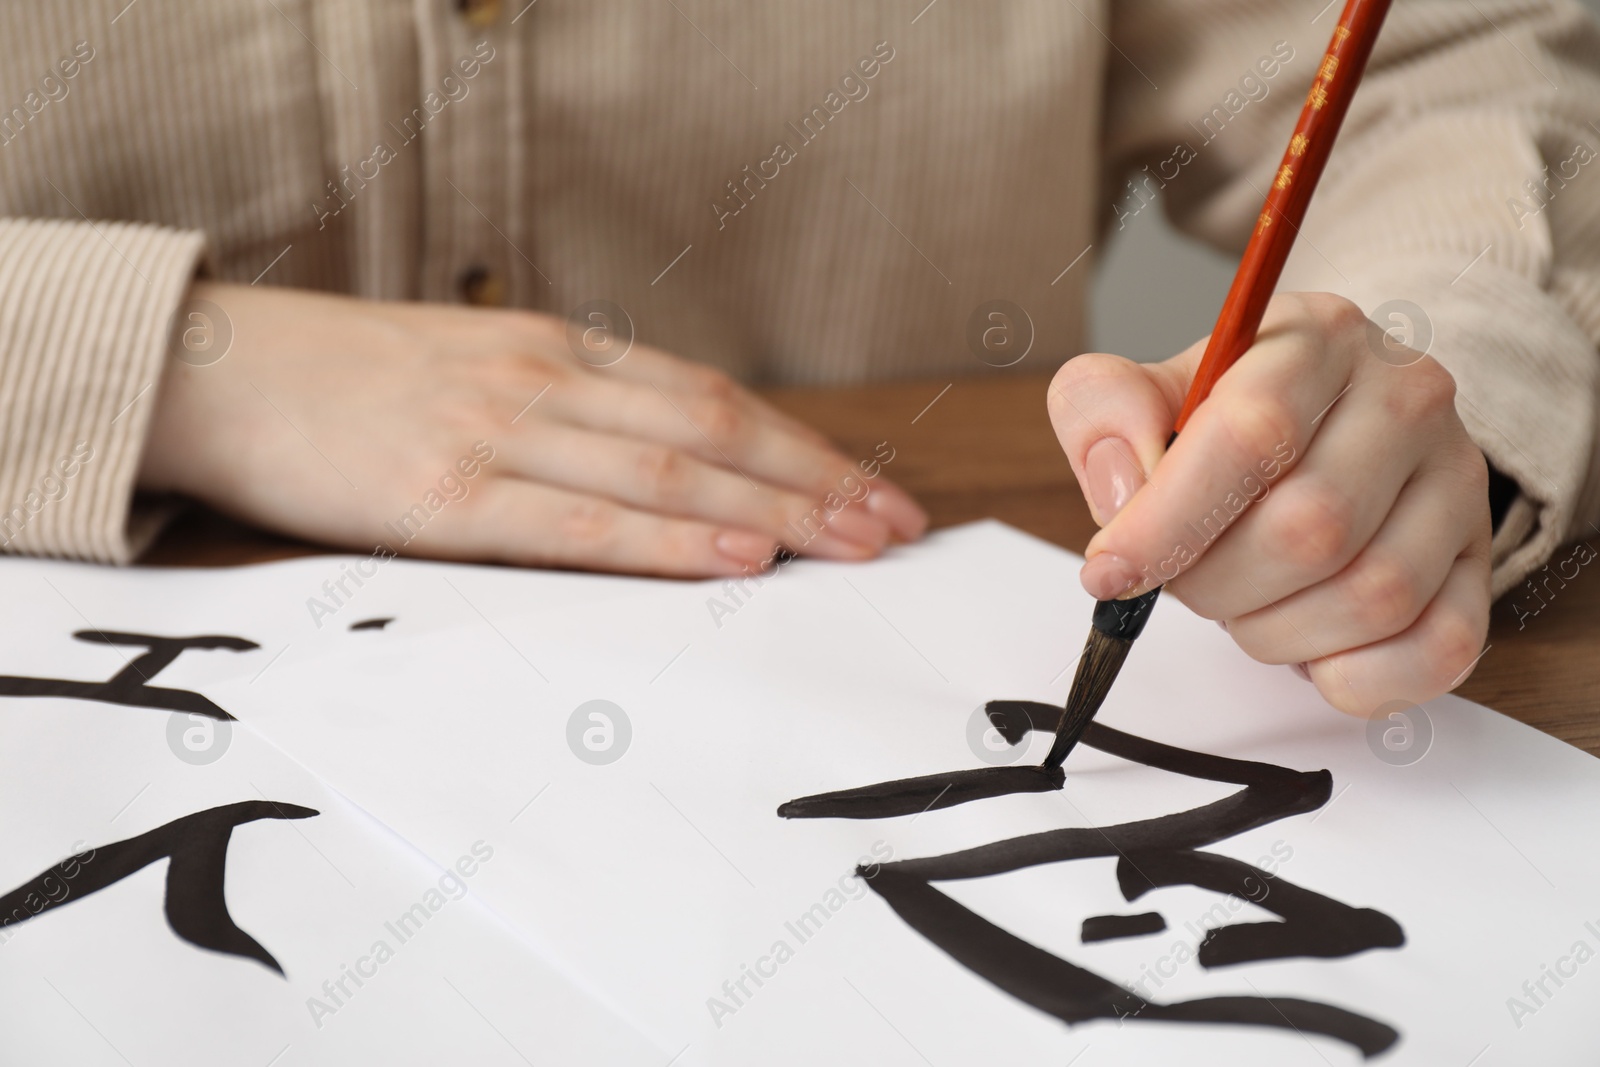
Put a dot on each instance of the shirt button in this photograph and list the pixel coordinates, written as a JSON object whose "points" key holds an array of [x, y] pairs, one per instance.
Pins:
{"points": [[482, 289], [479, 13]]}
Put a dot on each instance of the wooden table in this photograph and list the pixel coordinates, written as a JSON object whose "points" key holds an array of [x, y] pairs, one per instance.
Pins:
{"points": [[982, 447]]}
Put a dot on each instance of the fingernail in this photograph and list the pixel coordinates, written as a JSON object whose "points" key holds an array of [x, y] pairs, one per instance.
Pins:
{"points": [[1302, 670], [896, 507], [1112, 475], [1107, 576], [854, 524], [742, 546]]}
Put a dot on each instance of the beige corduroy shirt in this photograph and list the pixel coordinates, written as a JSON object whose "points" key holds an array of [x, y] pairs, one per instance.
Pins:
{"points": [[817, 191]]}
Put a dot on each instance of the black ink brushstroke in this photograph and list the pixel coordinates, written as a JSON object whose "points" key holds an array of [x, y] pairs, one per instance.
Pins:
{"points": [[1075, 995], [196, 847], [372, 624], [1272, 786], [1271, 793], [1014, 719], [912, 796], [1116, 927], [130, 686], [1313, 925]]}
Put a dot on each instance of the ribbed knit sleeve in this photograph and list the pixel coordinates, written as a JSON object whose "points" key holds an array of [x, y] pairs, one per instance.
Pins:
{"points": [[85, 314], [1460, 207]]}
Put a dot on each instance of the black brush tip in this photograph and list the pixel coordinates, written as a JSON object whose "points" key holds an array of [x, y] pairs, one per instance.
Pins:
{"points": [[1117, 623]]}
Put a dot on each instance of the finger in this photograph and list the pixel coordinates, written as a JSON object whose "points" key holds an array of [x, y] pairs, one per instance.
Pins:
{"points": [[651, 365], [1431, 656], [604, 346], [1385, 588], [1112, 417], [722, 430], [1312, 523], [522, 523], [658, 478], [645, 364], [1258, 421], [906, 519]]}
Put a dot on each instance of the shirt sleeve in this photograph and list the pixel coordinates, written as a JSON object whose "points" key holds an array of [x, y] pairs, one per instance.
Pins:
{"points": [[1460, 207], [86, 310]]}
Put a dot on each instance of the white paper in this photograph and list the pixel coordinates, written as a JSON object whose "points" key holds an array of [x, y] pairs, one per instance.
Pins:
{"points": [[651, 881], [102, 978]]}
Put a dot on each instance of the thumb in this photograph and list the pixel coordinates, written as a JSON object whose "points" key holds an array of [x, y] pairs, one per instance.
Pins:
{"points": [[1113, 418]]}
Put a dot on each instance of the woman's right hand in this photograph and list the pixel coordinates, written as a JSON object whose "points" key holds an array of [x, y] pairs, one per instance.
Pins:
{"points": [[337, 419]]}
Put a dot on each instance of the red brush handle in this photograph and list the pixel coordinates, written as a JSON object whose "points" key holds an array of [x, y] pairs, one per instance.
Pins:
{"points": [[1292, 186]]}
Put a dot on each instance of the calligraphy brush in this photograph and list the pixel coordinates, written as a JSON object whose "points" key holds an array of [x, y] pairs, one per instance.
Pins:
{"points": [[1117, 623]]}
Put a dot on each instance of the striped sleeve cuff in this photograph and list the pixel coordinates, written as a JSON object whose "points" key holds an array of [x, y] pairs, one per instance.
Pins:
{"points": [[85, 315]]}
